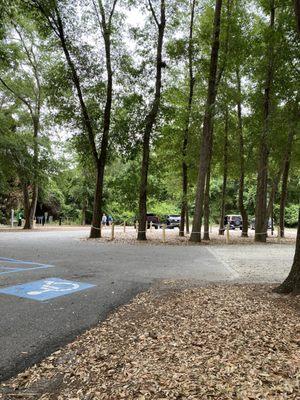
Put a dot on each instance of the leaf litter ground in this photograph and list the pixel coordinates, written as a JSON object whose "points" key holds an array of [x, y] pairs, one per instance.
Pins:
{"points": [[178, 341]]}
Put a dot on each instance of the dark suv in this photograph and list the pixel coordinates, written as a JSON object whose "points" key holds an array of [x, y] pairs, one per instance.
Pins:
{"points": [[151, 217]]}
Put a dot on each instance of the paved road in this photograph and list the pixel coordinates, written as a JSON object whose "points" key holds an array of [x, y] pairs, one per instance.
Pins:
{"points": [[30, 329]]}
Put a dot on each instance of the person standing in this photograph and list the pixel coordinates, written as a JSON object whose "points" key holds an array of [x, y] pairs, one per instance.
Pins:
{"points": [[104, 219]]}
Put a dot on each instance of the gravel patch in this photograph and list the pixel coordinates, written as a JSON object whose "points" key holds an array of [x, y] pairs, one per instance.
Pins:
{"points": [[258, 262]]}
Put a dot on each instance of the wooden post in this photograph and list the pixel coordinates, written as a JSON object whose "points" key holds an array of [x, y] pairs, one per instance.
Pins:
{"points": [[278, 232], [124, 226], [210, 228], [227, 234], [164, 233], [137, 226], [112, 231]]}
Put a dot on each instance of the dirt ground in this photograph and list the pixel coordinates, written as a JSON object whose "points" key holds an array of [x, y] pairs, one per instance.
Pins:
{"points": [[179, 341], [155, 237]]}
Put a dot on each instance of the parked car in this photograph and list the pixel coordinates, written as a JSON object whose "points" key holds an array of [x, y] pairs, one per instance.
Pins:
{"points": [[151, 217], [252, 223], [234, 221], [172, 221]]}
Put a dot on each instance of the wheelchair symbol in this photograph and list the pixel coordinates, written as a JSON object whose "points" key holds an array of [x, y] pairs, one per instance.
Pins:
{"points": [[52, 286]]}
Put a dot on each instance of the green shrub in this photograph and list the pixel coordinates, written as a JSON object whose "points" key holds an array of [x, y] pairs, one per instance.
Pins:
{"points": [[291, 215]]}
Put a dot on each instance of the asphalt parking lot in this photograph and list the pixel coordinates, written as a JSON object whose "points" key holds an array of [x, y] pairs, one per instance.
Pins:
{"points": [[71, 284]]}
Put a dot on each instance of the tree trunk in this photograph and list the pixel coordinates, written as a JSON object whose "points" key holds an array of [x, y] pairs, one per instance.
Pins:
{"points": [[184, 194], [206, 204], [283, 195], [187, 219], [97, 206], [83, 215], [150, 121], [292, 282], [242, 207], [297, 14], [225, 173], [207, 126], [261, 217], [184, 204], [29, 206]]}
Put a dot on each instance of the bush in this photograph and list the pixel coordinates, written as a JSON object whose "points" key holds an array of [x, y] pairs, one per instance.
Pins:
{"points": [[291, 215]]}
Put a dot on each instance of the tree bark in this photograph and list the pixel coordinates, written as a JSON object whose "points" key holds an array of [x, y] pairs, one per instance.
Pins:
{"points": [[206, 202], [207, 126], [225, 173], [261, 217], [242, 207], [150, 121], [184, 204]]}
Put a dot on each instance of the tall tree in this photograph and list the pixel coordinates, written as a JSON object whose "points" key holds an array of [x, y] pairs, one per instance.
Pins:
{"points": [[207, 125], [221, 70], [52, 15], [29, 92], [150, 120], [261, 217], [184, 204]]}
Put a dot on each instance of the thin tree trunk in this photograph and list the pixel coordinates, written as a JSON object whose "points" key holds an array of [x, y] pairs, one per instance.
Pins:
{"points": [[225, 173], [150, 121], [206, 203], [283, 195], [261, 217], [297, 14], [184, 193], [31, 205], [187, 219], [207, 126], [184, 205], [83, 215], [242, 207]]}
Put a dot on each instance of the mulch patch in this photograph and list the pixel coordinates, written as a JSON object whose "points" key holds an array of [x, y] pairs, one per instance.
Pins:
{"points": [[178, 342]]}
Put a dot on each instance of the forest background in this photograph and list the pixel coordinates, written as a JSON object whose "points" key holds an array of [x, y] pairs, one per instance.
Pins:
{"points": [[85, 85]]}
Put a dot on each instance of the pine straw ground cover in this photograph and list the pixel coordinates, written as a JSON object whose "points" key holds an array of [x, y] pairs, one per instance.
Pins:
{"points": [[214, 342]]}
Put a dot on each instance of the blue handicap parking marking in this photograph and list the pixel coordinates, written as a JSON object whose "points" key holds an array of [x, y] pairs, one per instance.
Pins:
{"points": [[10, 265], [45, 289]]}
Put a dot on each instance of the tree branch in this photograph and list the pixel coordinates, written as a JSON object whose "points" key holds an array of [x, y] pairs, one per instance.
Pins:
{"points": [[18, 96], [153, 13]]}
